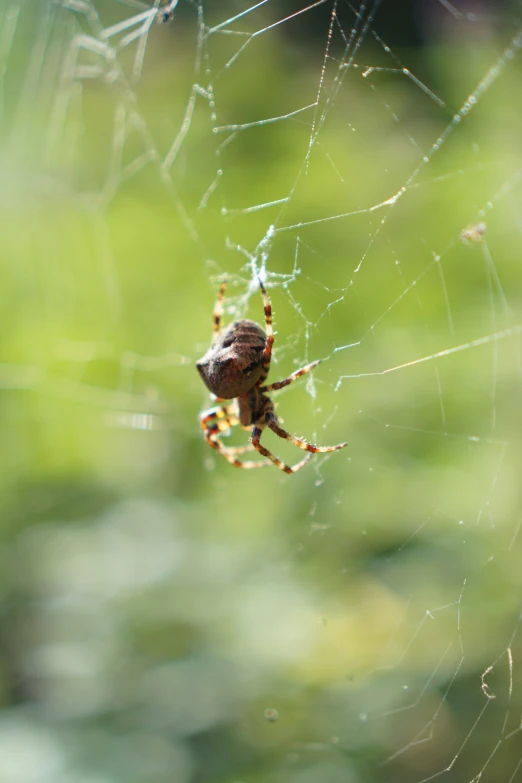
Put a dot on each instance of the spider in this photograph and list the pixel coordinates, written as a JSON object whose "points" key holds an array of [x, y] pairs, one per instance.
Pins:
{"points": [[235, 368]]}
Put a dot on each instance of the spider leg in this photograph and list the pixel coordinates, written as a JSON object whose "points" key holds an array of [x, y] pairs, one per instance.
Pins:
{"points": [[256, 435], [267, 353], [218, 311], [219, 420], [237, 449], [299, 442], [291, 378]]}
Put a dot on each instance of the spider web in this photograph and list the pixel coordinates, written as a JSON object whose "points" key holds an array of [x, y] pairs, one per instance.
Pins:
{"points": [[362, 622]]}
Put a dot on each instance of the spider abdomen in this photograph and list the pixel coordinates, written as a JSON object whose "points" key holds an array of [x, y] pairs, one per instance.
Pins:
{"points": [[234, 363]]}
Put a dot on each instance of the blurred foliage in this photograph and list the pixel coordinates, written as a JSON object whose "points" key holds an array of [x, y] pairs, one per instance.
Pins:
{"points": [[165, 618]]}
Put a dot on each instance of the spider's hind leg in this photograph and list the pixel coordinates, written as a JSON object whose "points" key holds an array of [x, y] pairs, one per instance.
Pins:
{"points": [[256, 435], [291, 378], [271, 422]]}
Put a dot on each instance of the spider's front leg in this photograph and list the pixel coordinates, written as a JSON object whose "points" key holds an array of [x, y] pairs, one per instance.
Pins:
{"points": [[267, 353], [218, 312], [220, 420]]}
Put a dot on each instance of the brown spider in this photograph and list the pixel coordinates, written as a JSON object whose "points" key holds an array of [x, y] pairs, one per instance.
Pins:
{"points": [[234, 368]]}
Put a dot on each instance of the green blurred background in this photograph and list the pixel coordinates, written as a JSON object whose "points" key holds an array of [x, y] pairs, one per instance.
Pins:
{"points": [[165, 617]]}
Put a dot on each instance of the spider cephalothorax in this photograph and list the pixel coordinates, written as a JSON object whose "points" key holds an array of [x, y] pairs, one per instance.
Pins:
{"points": [[234, 368]]}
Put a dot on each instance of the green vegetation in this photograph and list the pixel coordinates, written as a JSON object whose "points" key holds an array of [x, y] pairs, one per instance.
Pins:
{"points": [[166, 618]]}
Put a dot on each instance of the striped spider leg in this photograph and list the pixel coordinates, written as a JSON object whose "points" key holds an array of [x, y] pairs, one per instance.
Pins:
{"points": [[219, 421]]}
